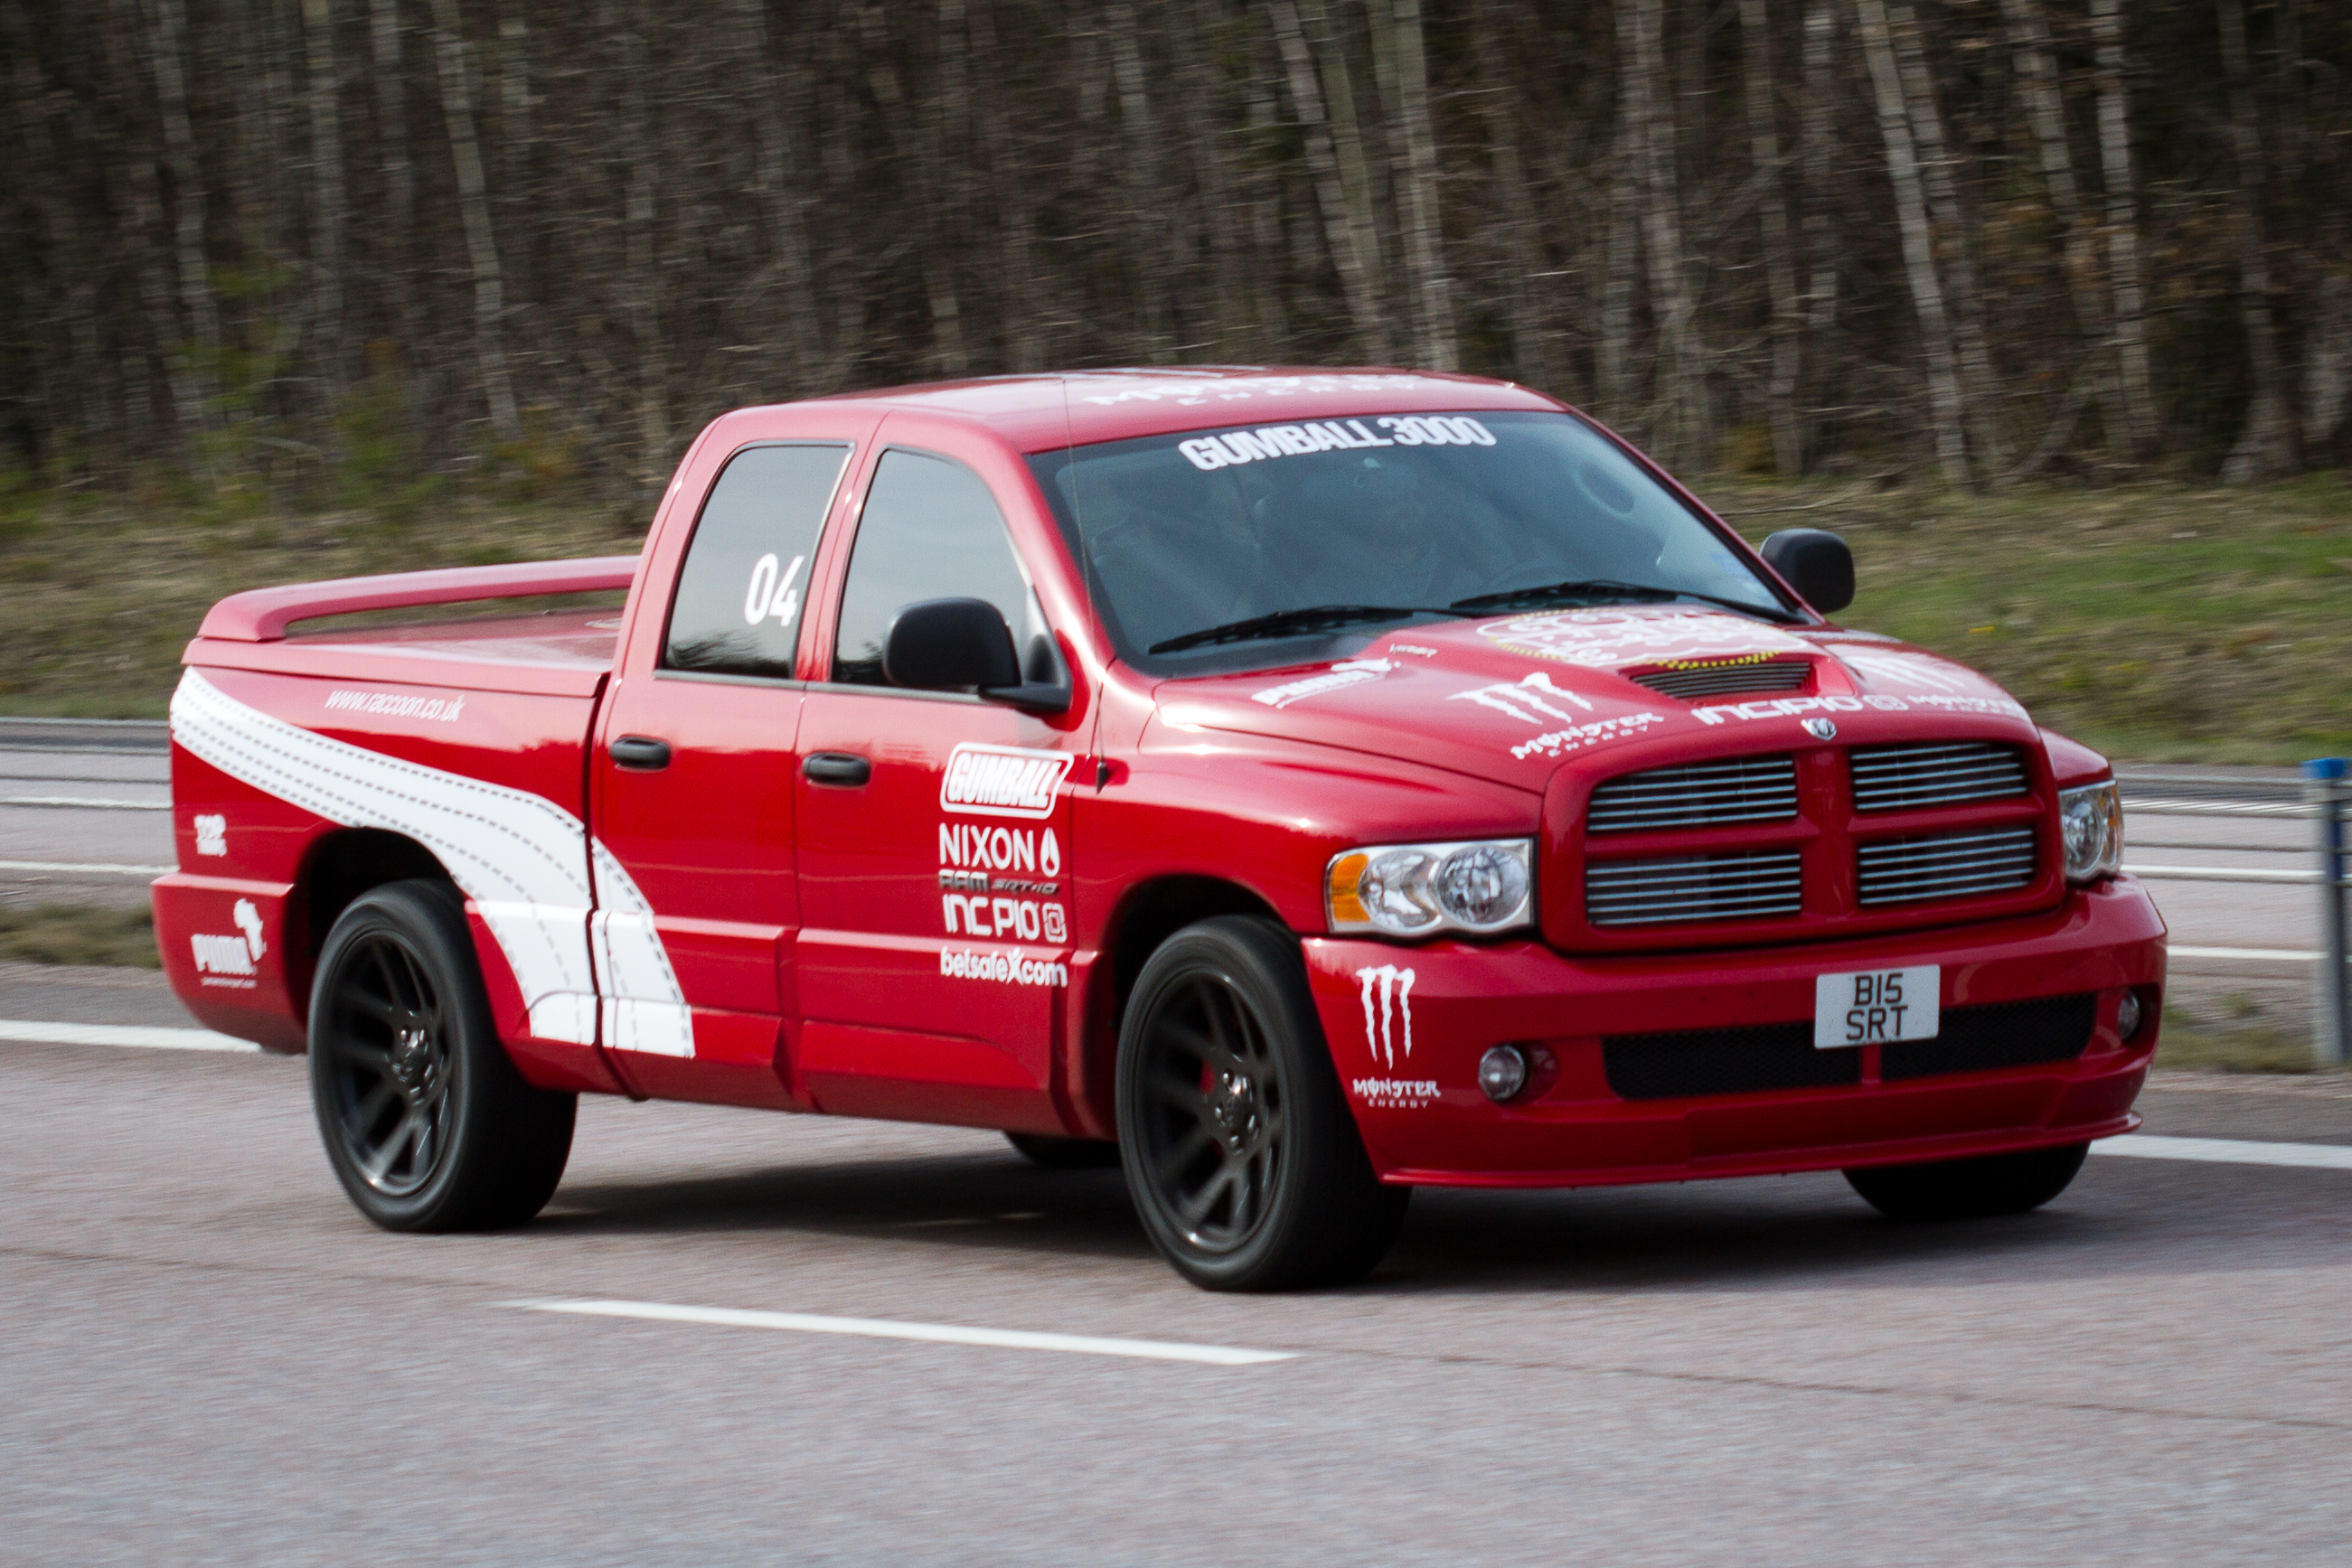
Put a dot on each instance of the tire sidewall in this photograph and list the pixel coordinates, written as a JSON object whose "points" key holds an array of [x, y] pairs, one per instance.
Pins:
{"points": [[429, 917], [1261, 966]]}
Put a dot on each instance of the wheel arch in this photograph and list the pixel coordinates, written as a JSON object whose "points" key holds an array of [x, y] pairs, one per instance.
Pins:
{"points": [[348, 862]]}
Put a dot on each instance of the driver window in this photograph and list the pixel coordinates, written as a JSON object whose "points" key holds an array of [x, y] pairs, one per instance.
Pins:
{"points": [[932, 530]]}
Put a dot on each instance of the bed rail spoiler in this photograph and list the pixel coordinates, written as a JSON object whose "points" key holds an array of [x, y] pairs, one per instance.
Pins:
{"points": [[263, 614]]}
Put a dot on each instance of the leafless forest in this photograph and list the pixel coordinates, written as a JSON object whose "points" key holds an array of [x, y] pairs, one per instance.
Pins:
{"points": [[322, 243]]}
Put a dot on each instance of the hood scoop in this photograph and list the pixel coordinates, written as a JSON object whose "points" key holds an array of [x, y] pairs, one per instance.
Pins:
{"points": [[1688, 679]]}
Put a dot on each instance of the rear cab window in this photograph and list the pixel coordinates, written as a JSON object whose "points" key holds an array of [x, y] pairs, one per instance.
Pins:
{"points": [[743, 587]]}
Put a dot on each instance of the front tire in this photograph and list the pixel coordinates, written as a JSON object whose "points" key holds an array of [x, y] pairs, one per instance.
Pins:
{"points": [[1241, 1154], [426, 1120], [1979, 1188]]}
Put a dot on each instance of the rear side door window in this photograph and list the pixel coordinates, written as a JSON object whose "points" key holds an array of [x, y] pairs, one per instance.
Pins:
{"points": [[932, 530], [740, 593]]}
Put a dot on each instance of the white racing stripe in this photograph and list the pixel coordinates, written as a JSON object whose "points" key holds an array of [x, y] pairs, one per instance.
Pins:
{"points": [[2228, 1152], [930, 1334], [521, 857], [88, 867], [120, 1034]]}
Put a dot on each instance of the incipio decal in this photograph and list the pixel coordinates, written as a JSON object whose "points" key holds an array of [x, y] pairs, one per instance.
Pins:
{"points": [[1210, 453], [1792, 707], [1349, 673], [1003, 780], [1637, 634]]}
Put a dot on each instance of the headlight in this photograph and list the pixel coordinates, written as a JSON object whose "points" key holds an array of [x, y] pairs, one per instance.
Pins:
{"points": [[2091, 822], [1422, 890]]}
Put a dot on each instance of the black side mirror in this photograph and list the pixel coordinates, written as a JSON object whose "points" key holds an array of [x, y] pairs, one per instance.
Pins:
{"points": [[1814, 562], [955, 645]]}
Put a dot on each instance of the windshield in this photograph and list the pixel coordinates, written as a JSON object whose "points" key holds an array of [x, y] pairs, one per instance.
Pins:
{"points": [[1355, 521]]}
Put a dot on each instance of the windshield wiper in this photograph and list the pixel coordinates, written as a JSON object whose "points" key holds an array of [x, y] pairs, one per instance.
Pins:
{"points": [[1284, 622], [1604, 587]]}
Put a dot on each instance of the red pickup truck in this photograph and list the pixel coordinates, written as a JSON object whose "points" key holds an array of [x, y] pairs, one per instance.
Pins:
{"points": [[1296, 787]]}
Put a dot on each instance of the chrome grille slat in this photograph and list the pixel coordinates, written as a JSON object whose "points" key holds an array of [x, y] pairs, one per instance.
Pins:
{"points": [[1689, 888], [1716, 680], [1698, 795], [1938, 773], [1947, 865]]}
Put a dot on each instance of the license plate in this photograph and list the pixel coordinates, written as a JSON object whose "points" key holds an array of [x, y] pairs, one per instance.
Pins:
{"points": [[1871, 1007]]}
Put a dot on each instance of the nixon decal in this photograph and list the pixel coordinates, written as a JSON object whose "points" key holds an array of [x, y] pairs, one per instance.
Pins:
{"points": [[1395, 989], [211, 834], [1000, 849], [1003, 780]]}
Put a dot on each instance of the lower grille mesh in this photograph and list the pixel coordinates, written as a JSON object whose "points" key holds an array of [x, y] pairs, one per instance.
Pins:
{"points": [[1692, 1064]]}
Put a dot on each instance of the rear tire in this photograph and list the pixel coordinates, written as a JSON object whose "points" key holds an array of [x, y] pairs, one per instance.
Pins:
{"points": [[1065, 1153], [1969, 1189], [1241, 1154], [426, 1120]]}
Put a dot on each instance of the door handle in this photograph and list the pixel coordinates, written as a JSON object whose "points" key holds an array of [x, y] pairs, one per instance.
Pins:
{"points": [[640, 753], [841, 767]]}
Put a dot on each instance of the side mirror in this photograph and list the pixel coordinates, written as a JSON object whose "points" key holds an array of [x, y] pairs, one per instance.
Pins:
{"points": [[1816, 563], [955, 645]]}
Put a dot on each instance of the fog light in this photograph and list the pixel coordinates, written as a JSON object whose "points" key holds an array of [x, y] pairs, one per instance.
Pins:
{"points": [[1503, 1072], [2128, 1016]]}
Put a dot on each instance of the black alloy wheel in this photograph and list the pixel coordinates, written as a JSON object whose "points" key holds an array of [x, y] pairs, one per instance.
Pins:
{"points": [[1241, 1154], [424, 1119]]}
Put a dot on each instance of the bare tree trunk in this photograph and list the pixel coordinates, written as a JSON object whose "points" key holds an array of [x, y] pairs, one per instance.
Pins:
{"points": [[1016, 219], [1425, 256], [1821, 229], [1614, 366], [775, 173], [1947, 405], [474, 209], [2037, 76], [2133, 367], [399, 172], [1533, 354], [1147, 190], [2266, 449], [1352, 254], [1964, 300], [638, 156], [1681, 433], [1779, 264], [168, 54], [327, 179], [516, 149]]}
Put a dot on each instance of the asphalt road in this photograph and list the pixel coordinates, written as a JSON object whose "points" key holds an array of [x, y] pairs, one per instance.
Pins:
{"points": [[209, 1357]]}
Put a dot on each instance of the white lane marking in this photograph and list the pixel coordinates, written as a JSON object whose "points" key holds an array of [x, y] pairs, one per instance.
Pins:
{"points": [[86, 803], [930, 1333], [87, 866], [122, 1034], [2164, 807], [2255, 955], [2228, 1152], [2218, 873]]}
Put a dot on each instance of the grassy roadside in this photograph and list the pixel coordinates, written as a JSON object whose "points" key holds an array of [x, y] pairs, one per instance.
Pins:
{"points": [[79, 933], [2158, 622]]}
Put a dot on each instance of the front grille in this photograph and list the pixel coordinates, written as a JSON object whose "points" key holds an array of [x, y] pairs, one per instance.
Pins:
{"points": [[2005, 1034], [1704, 794], [1947, 865], [1723, 1061], [1696, 887], [1697, 1062], [1716, 679], [1896, 777]]}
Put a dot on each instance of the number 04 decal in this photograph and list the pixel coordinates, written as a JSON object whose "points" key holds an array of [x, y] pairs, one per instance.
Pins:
{"points": [[770, 595]]}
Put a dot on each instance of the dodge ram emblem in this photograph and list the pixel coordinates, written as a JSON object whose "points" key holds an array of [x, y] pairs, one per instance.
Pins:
{"points": [[1820, 729]]}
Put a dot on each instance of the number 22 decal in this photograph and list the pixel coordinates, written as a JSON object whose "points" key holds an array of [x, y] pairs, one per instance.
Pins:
{"points": [[771, 596]]}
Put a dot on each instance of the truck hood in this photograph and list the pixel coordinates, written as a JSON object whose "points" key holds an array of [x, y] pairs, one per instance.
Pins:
{"points": [[1513, 699]]}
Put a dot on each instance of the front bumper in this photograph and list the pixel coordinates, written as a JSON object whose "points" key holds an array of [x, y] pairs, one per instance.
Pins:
{"points": [[1407, 1026]]}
